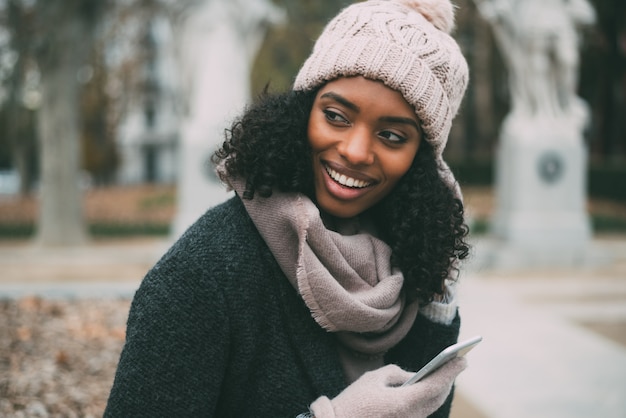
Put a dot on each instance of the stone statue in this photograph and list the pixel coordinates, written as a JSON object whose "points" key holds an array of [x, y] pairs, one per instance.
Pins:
{"points": [[540, 213], [215, 45], [539, 42]]}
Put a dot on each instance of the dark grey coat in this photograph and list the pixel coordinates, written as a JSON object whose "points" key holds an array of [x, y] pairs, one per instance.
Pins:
{"points": [[217, 330]]}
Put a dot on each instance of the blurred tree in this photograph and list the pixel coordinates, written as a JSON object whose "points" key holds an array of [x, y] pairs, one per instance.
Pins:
{"points": [[287, 46], [475, 129], [119, 80], [603, 80], [66, 32], [99, 152], [21, 98], [5, 147]]}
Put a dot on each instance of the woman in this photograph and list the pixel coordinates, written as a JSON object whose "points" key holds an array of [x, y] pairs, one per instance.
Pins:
{"points": [[330, 276]]}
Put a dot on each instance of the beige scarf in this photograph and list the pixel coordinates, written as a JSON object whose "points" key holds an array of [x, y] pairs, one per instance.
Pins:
{"points": [[345, 280]]}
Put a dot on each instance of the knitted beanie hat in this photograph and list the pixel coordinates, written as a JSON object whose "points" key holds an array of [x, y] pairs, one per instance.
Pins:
{"points": [[406, 44]]}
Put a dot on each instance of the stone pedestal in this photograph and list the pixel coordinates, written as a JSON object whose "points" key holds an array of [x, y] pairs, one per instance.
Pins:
{"points": [[541, 215]]}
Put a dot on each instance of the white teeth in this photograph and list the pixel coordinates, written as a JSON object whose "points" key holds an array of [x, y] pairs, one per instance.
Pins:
{"points": [[346, 181]]}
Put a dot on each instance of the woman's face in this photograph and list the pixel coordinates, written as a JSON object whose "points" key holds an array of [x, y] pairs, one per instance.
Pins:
{"points": [[363, 136]]}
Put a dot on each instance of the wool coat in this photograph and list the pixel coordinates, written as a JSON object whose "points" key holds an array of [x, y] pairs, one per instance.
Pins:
{"points": [[217, 330]]}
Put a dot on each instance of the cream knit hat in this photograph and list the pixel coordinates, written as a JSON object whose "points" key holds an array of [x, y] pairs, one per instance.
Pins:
{"points": [[406, 44]]}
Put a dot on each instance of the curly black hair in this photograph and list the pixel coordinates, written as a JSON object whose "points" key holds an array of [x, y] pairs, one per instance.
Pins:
{"points": [[421, 219]]}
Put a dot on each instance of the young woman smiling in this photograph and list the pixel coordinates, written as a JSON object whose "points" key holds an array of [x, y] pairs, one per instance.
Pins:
{"points": [[363, 137], [330, 276]]}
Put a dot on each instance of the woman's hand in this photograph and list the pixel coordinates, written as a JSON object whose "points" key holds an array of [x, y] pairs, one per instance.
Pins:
{"points": [[378, 394]]}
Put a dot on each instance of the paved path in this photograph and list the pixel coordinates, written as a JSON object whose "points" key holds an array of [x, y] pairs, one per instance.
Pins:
{"points": [[543, 353], [554, 339], [100, 269], [537, 358]]}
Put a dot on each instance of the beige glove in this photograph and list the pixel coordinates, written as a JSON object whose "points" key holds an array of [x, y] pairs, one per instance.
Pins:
{"points": [[378, 394]]}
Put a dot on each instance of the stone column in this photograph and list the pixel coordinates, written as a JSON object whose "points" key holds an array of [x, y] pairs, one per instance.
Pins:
{"points": [[216, 42]]}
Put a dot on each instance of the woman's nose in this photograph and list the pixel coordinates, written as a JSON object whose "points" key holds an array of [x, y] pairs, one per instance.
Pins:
{"points": [[356, 147]]}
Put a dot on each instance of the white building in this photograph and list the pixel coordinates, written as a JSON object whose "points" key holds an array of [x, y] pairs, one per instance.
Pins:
{"points": [[148, 135]]}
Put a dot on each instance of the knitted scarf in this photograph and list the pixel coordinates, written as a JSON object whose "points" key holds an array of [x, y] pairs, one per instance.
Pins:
{"points": [[345, 278]]}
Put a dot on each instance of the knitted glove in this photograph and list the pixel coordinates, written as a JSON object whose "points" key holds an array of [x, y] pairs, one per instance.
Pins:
{"points": [[378, 394]]}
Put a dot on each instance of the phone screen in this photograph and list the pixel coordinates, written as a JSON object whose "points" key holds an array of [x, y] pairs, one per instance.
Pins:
{"points": [[453, 351]]}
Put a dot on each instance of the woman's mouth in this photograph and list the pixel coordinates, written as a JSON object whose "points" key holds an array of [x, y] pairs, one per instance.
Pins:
{"points": [[346, 181]]}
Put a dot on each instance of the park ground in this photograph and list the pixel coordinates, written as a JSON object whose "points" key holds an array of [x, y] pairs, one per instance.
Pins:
{"points": [[58, 355]]}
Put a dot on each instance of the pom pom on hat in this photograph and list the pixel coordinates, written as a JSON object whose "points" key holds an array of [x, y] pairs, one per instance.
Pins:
{"points": [[438, 12]]}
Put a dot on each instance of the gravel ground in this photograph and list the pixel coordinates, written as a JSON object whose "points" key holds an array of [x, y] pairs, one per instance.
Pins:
{"points": [[58, 358]]}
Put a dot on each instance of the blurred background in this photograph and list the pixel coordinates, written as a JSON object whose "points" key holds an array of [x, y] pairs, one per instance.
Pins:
{"points": [[125, 88], [93, 104]]}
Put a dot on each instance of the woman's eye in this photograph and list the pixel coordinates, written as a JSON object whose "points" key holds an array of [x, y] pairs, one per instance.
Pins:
{"points": [[392, 137], [335, 117]]}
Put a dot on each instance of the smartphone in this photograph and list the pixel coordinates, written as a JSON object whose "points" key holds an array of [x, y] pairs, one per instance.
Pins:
{"points": [[455, 350]]}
